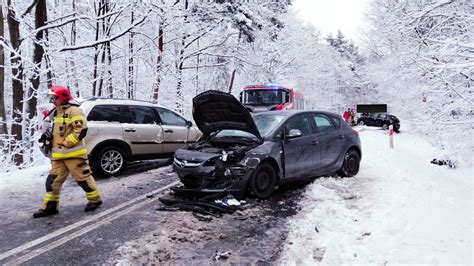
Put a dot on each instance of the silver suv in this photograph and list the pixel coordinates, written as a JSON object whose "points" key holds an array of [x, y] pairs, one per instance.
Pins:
{"points": [[127, 130]]}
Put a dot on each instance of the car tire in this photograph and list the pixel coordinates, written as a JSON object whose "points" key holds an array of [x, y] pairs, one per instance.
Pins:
{"points": [[263, 181], [361, 123], [110, 161], [385, 126], [351, 164]]}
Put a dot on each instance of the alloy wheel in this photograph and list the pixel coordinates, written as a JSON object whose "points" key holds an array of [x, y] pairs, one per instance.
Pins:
{"points": [[111, 161]]}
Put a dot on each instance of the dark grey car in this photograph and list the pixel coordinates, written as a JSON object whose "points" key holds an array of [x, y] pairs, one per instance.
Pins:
{"points": [[241, 153]]}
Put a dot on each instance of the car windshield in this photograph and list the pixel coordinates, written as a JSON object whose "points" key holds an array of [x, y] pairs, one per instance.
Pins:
{"points": [[264, 122]]}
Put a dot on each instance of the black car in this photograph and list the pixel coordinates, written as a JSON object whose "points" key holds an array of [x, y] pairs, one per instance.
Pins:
{"points": [[382, 120], [239, 153]]}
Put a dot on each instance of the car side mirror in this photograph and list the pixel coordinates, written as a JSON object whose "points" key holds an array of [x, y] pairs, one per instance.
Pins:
{"points": [[189, 123], [294, 133]]}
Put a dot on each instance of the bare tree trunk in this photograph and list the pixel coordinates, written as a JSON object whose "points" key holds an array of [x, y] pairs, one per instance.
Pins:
{"points": [[107, 26], [97, 51], [17, 78], [130, 89], [159, 61], [40, 21], [180, 63], [232, 77], [3, 115], [73, 64]]}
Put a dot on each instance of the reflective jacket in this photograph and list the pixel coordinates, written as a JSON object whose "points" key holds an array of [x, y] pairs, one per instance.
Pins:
{"points": [[69, 131]]}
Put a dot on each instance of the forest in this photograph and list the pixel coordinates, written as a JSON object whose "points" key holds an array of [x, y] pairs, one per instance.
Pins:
{"points": [[415, 56]]}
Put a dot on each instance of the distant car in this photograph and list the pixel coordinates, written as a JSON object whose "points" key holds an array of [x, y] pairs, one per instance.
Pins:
{"points": [[122, 130], [382, 120], [239, 153]]}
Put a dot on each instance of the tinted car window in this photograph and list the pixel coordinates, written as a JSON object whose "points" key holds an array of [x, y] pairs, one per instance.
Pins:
{"points": [[140, 115], [300, 122], [323, 123], [170, 118], [110, 113]]}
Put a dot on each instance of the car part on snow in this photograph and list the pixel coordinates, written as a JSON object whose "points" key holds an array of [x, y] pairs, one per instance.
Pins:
{"points": [[207, 205], [201, 217], [447, 162], [188, 207]]}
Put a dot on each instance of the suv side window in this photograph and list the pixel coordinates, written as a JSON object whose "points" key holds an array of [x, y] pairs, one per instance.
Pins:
{"points": [[140, 115], [169, 118], [323, 123], [109, 113], [300, 122]]}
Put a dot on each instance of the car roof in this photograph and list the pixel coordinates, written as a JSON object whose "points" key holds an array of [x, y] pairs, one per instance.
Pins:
{"points": [[293, 112]]}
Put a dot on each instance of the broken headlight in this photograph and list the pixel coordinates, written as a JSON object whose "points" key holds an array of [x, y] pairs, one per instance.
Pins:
{"points": [[238, 170], [210, 162]]}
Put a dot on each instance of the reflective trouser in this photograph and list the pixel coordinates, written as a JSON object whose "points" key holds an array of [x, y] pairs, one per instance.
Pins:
{"points": [[80, 170]]}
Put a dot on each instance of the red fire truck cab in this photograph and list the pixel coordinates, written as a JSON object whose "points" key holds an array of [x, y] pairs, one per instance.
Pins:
{"points": [[258, 98]]}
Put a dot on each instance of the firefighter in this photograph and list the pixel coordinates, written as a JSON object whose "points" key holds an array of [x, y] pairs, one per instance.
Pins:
{"points": [[68, 154]]}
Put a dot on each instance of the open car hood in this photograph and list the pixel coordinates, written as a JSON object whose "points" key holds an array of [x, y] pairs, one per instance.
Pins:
{"points": [[217, 110]]}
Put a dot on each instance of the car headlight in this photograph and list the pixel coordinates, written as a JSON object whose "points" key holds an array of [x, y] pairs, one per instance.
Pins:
{"points": [[210, 162]]}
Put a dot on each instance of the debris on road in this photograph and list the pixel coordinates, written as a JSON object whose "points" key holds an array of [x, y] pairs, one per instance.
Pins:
{"points": [[197, 206], [222, 256]]}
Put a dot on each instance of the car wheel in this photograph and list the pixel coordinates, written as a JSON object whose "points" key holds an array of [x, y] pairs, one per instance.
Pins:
{"points": [[263, 181], [361, 123], [110, 161], [385, 127], [351, 164]]}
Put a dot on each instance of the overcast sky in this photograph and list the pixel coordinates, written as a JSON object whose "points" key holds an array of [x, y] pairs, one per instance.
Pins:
{"points": [[330, 15]]}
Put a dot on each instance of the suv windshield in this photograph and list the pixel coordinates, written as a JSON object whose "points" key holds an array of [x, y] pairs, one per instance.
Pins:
{"points": [[264, 122]]}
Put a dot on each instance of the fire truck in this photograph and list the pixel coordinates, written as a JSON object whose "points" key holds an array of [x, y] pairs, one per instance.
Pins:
{"points": [[258, 98]]}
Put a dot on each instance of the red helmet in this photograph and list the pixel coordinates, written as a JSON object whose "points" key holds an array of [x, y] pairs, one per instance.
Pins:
{"points": [[60, 92]]}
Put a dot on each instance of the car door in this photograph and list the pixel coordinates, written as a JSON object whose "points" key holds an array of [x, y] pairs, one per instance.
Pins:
{"points": [[299, 153], [175, 130], [142, 130], [330, 140]]}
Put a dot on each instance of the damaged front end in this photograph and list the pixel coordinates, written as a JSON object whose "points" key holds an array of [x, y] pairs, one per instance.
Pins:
{"points": [[215, 168]]}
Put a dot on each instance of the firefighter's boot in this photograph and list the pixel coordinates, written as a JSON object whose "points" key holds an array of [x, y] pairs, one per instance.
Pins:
{"points": [[91, 206], [48, 211]]}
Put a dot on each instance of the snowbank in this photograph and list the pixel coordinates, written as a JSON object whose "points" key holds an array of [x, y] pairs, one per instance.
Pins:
{"points": [[399, 209]]}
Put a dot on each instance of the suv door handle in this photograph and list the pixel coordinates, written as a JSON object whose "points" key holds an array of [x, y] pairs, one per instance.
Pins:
{"points": [[340, 136], [314, 142], [130, 130], [169, 131]]}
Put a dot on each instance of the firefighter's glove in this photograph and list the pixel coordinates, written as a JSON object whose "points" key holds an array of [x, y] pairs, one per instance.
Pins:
{"points": [[47, 136]]}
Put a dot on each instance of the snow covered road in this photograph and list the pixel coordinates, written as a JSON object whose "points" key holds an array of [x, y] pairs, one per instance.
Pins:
{"points": [[399, 209]]}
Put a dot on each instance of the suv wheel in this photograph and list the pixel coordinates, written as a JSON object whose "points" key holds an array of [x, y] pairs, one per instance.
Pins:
{"points": [[385, 126], [361, 122], [263, 181], [110, 161]]}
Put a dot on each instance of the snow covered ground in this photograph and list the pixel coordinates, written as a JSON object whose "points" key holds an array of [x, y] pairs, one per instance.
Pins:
{"points": [[399, 209]]}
